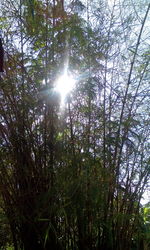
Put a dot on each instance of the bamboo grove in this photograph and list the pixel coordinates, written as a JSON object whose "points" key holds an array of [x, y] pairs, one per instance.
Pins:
{"points": [[73, 177]]}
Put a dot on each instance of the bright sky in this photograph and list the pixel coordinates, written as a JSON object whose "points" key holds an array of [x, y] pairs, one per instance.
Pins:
{"points": [[64, 85]]}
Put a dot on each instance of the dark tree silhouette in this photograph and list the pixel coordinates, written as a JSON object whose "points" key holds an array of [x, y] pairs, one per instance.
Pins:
{"points": [[1, 56]]}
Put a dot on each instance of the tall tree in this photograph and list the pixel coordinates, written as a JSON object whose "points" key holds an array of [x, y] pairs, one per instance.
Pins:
{"points": [[74, 178]]}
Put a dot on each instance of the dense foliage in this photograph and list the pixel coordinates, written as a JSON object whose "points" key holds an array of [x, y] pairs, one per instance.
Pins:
{"points": [[74, 177]]}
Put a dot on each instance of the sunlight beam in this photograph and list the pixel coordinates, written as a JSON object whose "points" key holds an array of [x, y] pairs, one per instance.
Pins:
{"points": [[64, 85]]}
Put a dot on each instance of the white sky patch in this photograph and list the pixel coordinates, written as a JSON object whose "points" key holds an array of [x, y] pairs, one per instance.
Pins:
{"points": [[146, 198], [111, 2]]}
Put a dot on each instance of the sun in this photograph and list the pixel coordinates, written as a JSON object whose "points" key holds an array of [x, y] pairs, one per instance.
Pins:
{"points": [[64, 85]]}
